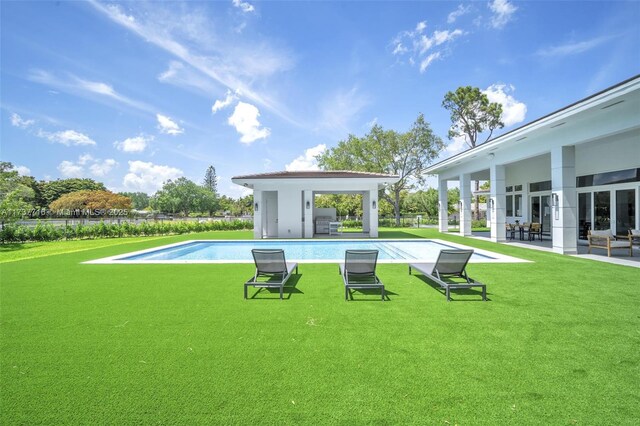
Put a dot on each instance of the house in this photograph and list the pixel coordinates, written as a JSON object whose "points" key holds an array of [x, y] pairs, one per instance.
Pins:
{"points": [[575, 169], [284, 201]]}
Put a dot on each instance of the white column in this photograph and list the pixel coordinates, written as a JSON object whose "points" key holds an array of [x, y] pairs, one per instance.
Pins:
{"points": [[366, 211], [564, 210], [465, 208], [443, 209], [308, 213], [257, 215], [373, 213], [497, 203]]}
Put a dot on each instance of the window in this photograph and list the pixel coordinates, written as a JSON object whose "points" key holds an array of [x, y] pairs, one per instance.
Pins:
{"points": [[509, 188], [509, 205], [609, 178], [518, 188], [540, 186], [518, 204]]}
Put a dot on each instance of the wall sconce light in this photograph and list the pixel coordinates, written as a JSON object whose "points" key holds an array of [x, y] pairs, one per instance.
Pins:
{"points": [[555, 200], [255, 207], [308, 204], [374, 204], [491, 203]]}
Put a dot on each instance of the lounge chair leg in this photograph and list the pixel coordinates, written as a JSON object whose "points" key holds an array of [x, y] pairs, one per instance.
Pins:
{"points": [[245, 291], [281, 289]]}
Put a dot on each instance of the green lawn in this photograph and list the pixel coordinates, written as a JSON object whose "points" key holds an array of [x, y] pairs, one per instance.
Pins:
{"points": [[558, 342]]}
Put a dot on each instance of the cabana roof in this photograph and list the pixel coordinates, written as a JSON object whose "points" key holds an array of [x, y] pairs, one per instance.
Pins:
{"points": [[316, 174]]}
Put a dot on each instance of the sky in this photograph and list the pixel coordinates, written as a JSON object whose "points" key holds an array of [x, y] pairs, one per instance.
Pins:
{"points": [[135, 93]]}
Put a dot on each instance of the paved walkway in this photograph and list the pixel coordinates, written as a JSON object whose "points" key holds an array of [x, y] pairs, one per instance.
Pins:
{"points": [[618, 257]]}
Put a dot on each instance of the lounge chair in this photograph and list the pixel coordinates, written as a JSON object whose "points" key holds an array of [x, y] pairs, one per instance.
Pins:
{"points": [[450, 263], [359, 272], [272, 270]]}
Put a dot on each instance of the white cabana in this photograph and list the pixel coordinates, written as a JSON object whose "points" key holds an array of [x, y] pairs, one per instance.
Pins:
{"points": [[284, 201]]}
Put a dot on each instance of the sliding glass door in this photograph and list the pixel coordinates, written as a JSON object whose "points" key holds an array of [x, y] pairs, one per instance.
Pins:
{"points": [[625, 211], [541, 211], [601, 210]]}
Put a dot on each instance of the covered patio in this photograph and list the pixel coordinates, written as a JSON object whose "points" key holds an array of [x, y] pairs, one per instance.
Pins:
{"points": [[572, 171]]}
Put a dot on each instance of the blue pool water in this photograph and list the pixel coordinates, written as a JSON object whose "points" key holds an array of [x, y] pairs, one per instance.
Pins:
{"points": [[295, 250]]}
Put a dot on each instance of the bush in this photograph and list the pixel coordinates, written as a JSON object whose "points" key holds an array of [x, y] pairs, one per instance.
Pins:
{"points": [[47, 232]]}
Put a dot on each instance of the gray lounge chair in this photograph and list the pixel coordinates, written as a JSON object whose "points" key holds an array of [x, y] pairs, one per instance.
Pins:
{"points": [[272, 270], [359, 272], [450, 263]]}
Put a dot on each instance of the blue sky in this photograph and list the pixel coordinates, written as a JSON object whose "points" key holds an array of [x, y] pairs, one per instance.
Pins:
{"points": [[132, 94]]}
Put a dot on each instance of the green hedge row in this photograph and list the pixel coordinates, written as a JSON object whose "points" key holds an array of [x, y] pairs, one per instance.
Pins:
{"points": [[47, 232]]}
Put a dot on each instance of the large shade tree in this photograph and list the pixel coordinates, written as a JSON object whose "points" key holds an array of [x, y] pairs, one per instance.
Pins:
{"points": [[386, 151], [87, 199], [16, 196], [183, 196], [52, 190], [472, 114]]}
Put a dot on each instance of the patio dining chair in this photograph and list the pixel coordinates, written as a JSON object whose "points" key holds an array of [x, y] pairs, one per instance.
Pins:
{"points": [[450, 264], [359, 272], [272, 270]]}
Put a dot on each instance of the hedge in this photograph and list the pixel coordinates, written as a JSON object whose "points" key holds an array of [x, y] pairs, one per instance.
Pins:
{"points": [[12, 233]]}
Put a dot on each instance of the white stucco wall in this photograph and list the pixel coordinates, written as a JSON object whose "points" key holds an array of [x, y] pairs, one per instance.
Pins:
{"points": [[618, 152]]}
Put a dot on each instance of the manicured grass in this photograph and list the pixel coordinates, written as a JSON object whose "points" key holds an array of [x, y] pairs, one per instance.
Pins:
{"points": [[557, 343]]}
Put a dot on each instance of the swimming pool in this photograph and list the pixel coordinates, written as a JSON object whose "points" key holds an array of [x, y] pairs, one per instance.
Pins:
{"points": [[302, 251]]}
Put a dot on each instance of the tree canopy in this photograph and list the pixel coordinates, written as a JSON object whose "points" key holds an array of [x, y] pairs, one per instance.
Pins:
{"points": [[51, 191], [183, 196], [139, 200], [15, 196], [87, 199], [472, 114], [387, 151]]}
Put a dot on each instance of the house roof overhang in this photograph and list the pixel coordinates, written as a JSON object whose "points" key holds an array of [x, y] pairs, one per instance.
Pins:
{"points": [[625, 94]]}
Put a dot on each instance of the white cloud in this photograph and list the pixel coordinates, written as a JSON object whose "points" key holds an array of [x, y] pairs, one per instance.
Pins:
{"points": [[456, 145], [424, 48], [148, 177], [400, 49], [460, 10], [67, 137], [221, 104], [101, 168], [186, 32], [84, 159], [22, 170], [86, 88], [18, 121], [428, 60], [168, 126], [502, 12], [513, 111], [574, 48], [244, 6], [187, 77], [340, 108], [135, 144], [70, 169], [245, 120], [307, 161], [97, 167]]}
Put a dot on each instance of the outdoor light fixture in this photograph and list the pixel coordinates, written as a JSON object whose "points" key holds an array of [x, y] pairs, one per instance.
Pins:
{"points": [[491, 203], [255, 207], [374, 204], [554, 200], [308, 205]]}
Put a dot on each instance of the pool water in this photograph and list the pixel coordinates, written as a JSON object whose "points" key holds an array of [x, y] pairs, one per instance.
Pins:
{"points": [[296, 250]]}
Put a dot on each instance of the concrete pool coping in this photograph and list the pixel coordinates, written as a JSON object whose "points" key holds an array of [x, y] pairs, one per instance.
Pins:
{"points": [[486, 256]]}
